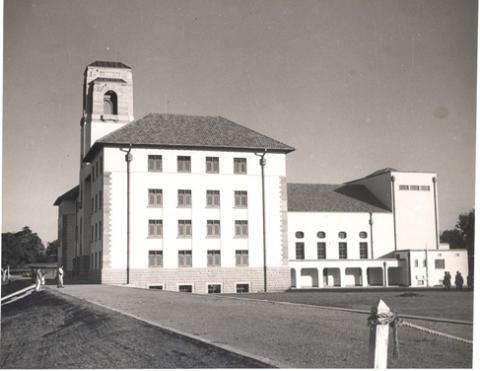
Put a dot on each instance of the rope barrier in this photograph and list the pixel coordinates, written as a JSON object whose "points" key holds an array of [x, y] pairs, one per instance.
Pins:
{"points": [[395, 322]]}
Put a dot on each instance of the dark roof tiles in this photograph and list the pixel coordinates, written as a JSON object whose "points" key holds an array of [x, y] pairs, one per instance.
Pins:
{"points": [[191, 131], [108, 64], [332, 198], [69, 195]]}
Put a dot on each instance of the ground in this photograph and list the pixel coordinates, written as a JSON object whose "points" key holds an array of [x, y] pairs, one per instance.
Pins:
{"points": [[62, 328]]}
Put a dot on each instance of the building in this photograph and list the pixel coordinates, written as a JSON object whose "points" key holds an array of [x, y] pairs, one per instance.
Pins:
{"points": [[175, 202]]}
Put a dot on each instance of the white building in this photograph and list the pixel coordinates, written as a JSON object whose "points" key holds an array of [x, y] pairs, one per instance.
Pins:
{"points": [[175, 202]]}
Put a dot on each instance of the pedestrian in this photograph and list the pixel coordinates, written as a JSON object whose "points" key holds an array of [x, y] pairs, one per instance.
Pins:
{"points": [[60, 276], [38, 278], [447, 280], [458, 281]]}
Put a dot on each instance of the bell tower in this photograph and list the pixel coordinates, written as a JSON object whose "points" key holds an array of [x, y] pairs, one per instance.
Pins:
{"points": [[107, 101]]}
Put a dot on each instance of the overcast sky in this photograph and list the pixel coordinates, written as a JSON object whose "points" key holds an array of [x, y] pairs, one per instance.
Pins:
{"points": [[354, 86]]}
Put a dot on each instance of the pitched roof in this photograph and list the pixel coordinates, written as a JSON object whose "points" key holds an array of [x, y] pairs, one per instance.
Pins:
{"points": [[69, 195], [108, 64], [172, 130], [332, 197]]}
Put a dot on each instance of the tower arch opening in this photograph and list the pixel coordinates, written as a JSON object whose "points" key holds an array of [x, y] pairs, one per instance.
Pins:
{"points": [[110, 103]]}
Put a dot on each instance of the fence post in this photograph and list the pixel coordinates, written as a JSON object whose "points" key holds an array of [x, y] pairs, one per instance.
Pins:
{"points": [[378, 347]]}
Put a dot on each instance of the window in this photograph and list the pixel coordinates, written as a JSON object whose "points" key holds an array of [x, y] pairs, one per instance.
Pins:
{"points": [[96, 203], [299, 251], [184, 198], [185, 288], [155, 197], [321, 234], [241, 228], [240, 165], [299, 234], [184, 228], [185, 258], [154, 163], [100, 261], [363, 234], [100, 230], [241, 258], [214, 288], [321, 250], [424, 188], [414, 188], [403, 187], [110, 103], [416, 263], [155, 287], [363, 250], [242, 287], [100, 200], [424, 263], [241, 199], [213, 258], [91, 232], [93, 205], [213, 198], [155, 258], [213, 228], [96, 231], [155, 228], [183, 164], [439, 263], [342, 234], [212, 165], [342, 250]]}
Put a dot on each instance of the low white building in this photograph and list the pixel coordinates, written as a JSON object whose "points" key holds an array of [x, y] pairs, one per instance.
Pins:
{"points": [[381, 230], [175, 202]]}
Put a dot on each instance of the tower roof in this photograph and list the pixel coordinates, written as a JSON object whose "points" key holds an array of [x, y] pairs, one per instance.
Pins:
{"points": [[185, 131], [108, 64]]}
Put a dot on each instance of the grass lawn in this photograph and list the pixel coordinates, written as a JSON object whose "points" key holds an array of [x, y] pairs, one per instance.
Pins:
{"points": [[431, 303]]}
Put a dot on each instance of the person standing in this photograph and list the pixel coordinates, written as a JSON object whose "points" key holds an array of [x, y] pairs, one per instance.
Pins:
{"points": [[446, 281], [38, 279], [458, 281], [60, 276]]}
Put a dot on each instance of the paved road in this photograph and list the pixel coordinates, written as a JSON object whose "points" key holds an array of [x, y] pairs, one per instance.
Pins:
{"points": [[49, 330], [285, 335]]}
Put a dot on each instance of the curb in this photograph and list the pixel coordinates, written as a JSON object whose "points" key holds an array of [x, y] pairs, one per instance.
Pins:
{"points": [[266, 361]]}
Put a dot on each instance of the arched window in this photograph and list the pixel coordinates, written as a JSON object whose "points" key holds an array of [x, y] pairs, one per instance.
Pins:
{"points": [[321, 234], [110, 103], [342, 234], [299, 234], [363, 234]]}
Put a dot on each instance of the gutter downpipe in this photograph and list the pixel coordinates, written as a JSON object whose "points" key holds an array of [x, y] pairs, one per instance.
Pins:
{"points": [[434, 180], [263, 162], [371, 234], [128, 159], [392, 178]]}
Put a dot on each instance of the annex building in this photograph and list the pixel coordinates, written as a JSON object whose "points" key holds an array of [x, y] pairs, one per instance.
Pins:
{"points": [[180, 203]]}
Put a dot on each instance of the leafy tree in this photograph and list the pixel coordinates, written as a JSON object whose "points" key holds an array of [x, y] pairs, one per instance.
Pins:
{"points": [[463, 236], [454, 238], [21, 248], [52, 250]]}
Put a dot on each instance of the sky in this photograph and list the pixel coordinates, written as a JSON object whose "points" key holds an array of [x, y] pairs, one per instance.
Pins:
{"points": [[354, 86]]}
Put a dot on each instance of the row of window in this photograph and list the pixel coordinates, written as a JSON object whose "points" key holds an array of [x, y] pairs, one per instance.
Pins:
{"points": [[96, 260], [97, 169], [96, 232], [405, 187], [322, 250], [212, 288], [321, 234], [97, 202], [184, 198], [439, 263], [184, 228], [155, 258], [184, 164]]}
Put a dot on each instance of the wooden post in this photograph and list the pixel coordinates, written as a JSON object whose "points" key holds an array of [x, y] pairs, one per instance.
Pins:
{"points": [[378, 347]]}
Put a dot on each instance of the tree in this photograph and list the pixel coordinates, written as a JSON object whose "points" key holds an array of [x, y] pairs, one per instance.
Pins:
{"points": [[52, 250], [463, 236], [21, 247], [454, 238]]}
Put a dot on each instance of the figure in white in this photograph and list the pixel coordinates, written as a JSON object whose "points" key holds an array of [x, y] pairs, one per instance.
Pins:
{"points": [[60, 276], [40, 279]]}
